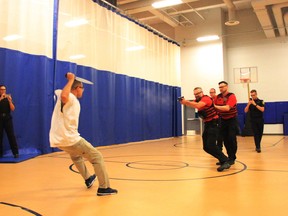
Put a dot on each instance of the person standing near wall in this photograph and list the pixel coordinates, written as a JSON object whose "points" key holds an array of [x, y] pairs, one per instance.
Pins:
{"points": [[65, 136], [212, 93], [6, 106], [219, 142], [256, 108], [226, 104], [208, 113]]}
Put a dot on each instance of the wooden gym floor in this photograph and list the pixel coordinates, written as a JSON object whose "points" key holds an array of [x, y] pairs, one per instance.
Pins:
{"points": [[154, 178]]}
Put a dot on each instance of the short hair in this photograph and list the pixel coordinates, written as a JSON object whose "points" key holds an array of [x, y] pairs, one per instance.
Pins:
{"points": [[253, 91], [223, 82], [2, 86], [213, 89], [196, 88], [76, 83]]}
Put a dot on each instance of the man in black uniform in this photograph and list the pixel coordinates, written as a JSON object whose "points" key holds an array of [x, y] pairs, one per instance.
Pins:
{"points": [[256, 108], [6, 105]]}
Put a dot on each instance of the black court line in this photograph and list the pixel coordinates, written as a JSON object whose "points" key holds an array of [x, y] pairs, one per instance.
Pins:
{"points": [[151, 163], [221, 174], [263, 170], [21, 207]]}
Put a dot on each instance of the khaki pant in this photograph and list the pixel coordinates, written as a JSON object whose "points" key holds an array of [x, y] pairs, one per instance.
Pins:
{"points": [[84, 149]]}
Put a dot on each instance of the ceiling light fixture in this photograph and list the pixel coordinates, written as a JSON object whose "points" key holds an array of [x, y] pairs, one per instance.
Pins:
{"points": [[74, 23], [134, 48], [166, 3], [232, 22], [12, 37], [208, 38], [79, 56]]}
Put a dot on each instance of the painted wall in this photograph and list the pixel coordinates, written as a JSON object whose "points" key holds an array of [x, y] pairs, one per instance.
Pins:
{"points": [[206, 64]]}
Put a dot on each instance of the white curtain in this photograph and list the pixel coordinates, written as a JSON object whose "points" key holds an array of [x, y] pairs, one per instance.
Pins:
{"points": [[94, 36], [27, 26]]}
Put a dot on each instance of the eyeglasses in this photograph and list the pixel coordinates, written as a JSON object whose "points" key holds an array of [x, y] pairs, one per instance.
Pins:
{"points": [[222, 86], [197, 93]]}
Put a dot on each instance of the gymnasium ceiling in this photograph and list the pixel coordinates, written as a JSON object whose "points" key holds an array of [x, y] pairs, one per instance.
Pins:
{"points": [[271, 14]]}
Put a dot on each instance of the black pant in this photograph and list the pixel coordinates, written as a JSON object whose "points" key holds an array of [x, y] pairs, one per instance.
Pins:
{"points": [[219, 138], [257, 125], [7, 125], [209, 138], [229, 131]]}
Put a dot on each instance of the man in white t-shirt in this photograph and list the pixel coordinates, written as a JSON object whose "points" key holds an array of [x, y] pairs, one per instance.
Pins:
{"points": [[65, 136]]}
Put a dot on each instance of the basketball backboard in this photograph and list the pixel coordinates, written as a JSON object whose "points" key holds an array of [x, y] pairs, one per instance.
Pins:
{"points": [[245, 74]]}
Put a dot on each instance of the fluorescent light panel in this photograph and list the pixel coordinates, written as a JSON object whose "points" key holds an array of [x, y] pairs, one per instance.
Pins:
{"points": [[74, 23], [207, 38], [12, 37], [134, 48], [79, 56], [166, 3]]}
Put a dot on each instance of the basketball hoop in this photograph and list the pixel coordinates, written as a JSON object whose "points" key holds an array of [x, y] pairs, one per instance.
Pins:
{"points": [[245, 76], [246, 81]]}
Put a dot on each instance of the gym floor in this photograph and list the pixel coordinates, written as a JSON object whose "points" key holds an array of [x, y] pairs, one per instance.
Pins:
{"points": [[154, 178]]}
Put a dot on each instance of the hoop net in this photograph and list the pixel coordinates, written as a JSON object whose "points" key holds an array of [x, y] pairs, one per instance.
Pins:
{"points": [[245, 80]]}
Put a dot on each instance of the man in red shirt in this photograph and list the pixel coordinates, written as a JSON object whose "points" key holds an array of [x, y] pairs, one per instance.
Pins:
{"points": [[226, 105], [212, 93], [208, 113]]}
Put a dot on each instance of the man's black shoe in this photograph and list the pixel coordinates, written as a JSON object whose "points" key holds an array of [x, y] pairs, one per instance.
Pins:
{"points": [[106, 191], [225, 165], [90, 181], [258, 150], [231, 162]]}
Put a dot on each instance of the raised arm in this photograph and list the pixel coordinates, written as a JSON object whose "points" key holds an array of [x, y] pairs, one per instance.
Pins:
{"points": [[67, 88]]}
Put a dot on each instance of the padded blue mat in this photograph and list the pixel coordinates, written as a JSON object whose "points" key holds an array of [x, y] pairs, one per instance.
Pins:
{"points": [[11, 159]]}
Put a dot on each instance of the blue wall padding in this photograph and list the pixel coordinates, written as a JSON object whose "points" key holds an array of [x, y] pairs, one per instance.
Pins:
{"points": [[285, 125], [270, 114], [29, 79], [116, 109], [273, 114], [241, 121], [281, 109]]}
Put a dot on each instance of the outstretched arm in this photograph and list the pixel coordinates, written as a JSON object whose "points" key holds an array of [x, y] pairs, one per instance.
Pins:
{"points": [[193, 104]]}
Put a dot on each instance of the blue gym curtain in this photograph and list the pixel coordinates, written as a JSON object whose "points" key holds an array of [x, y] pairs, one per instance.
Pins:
{"points": [[118, 108]]}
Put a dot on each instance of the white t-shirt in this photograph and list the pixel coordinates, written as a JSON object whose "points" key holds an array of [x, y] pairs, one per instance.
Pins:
{"points": [[64, 125]]}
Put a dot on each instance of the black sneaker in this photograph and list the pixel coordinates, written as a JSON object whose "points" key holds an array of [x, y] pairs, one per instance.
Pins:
{"points": [[258, 150], [106, 191], [90, 181], [231, 162], [225, 165]]}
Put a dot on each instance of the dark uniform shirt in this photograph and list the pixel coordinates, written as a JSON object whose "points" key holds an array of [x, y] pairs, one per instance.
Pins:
{"points": [[4, 106], [254, 112]]}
